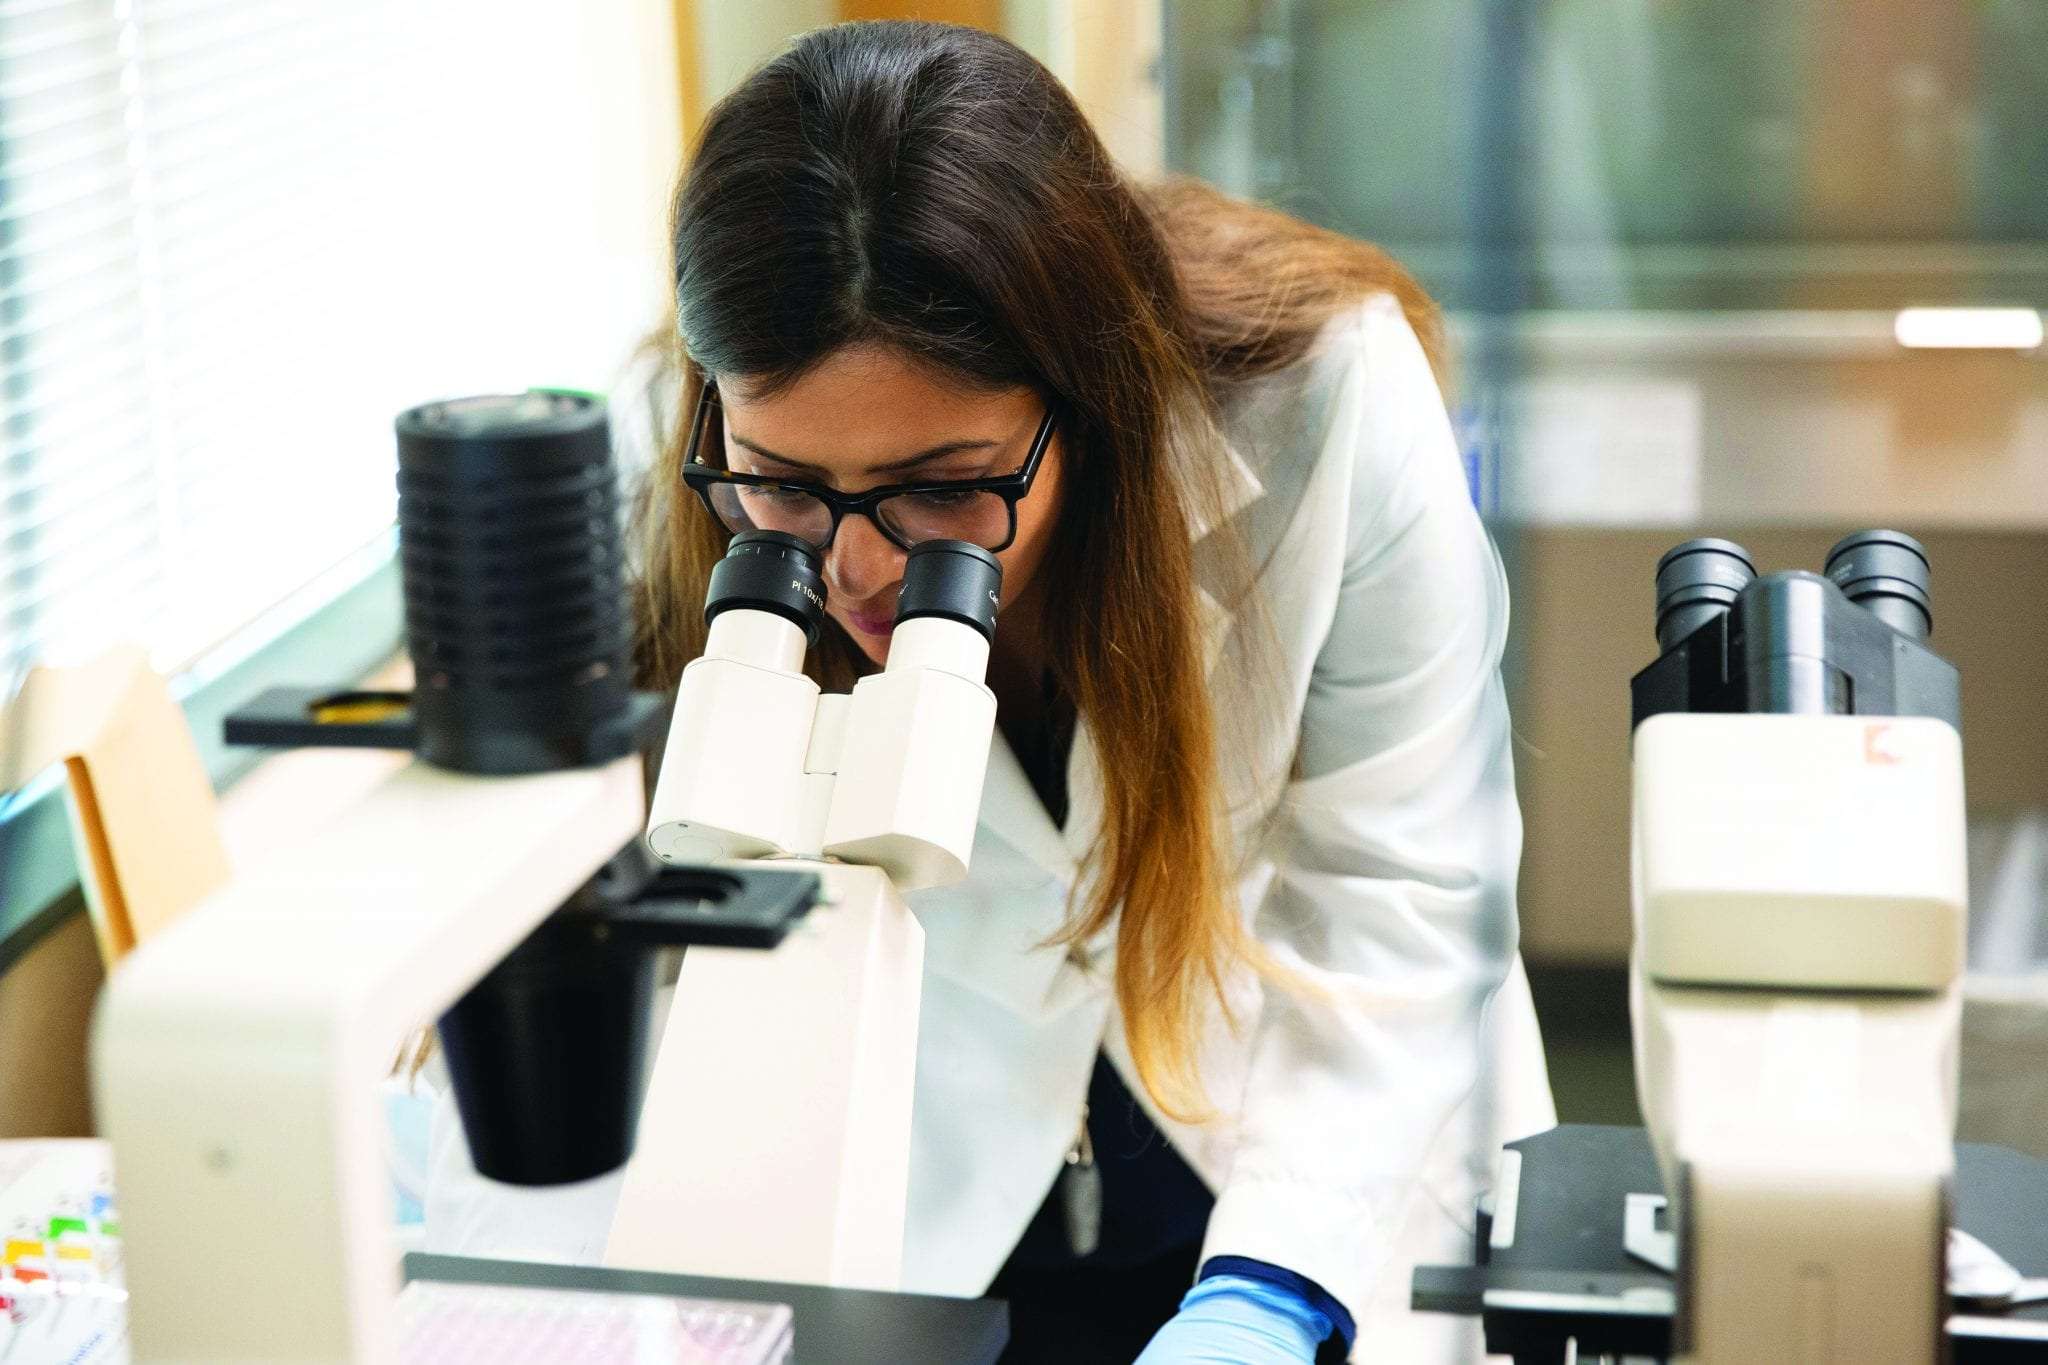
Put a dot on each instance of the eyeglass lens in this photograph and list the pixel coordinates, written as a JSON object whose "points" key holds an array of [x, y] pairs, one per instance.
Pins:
{"points": [[978, 517]]}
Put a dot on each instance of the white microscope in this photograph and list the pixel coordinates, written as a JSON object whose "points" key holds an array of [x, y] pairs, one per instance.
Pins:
{"points": [[804, 1114], [1799, 888], [499, 882]]}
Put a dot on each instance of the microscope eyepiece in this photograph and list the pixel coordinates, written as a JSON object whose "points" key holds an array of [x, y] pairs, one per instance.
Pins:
{"points": [[1697, 580], [769, 571], [1885, 573], [954, 580]]}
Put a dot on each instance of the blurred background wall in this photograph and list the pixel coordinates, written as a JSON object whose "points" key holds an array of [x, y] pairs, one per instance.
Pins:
{"points": [[236, 238], [1107, 51]]}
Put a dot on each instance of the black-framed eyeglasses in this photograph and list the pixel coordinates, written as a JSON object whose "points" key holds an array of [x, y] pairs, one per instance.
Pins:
{"points": [[980, 511]]}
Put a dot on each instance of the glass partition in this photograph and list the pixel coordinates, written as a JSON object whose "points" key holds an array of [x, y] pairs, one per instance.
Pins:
{"points": [[1627, 154]]}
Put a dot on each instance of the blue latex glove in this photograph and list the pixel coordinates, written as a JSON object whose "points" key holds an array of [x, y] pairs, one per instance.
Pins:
{"points": [[1230, 1320]]}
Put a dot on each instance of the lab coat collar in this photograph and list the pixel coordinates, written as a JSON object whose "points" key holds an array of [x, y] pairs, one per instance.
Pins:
{"points": [[1012, 812], [1237, 488]]}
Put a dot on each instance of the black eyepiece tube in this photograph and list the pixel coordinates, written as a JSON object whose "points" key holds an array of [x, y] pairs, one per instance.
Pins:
{"points": [[1697, 580], [770, 571], [1885, 573], [953, 579]]}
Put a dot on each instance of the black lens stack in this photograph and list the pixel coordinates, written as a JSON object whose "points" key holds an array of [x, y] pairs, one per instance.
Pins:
{"points": [[515, 604], [515, 611]]}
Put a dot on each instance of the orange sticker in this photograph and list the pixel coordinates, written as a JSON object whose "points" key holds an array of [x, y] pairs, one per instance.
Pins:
{"points": [[1877, 746]]}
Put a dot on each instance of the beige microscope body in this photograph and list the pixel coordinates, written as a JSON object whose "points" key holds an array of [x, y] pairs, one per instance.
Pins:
{"points": [[1796, 986], [1797, 995], [236, 1055]]}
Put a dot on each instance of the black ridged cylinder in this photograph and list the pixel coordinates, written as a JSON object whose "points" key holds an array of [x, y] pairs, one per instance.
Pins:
{"points": [[954, 579], [515, 604], [1885, 573], [1697, 581], [769, 571]]}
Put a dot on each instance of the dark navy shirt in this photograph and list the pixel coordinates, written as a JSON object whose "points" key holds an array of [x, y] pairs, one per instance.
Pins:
{"points": [[1152, 1201]]}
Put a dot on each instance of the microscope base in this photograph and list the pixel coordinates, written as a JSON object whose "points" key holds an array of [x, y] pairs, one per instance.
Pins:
{"points": [[1554, 1274]]}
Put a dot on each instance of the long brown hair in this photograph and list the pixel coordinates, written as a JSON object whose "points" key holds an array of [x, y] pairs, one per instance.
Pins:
{"points": [[935, 189], [1258, 286]]}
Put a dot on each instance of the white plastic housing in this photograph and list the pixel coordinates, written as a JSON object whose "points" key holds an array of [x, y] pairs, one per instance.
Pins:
{"points": [[1796, 999], [935, 642], [760, 638], [236, 1054], [781, 1151], [911, 764], [1817, 851], [731, 783], [1806, 1141]]}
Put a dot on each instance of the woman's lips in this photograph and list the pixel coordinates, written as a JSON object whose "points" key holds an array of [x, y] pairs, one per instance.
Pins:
{"points": [[871, 625]]}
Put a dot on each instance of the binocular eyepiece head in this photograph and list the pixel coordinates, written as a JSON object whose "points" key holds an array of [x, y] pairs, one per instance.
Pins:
{"points": [[777, 573], [1849, 641], [1884, 572]]}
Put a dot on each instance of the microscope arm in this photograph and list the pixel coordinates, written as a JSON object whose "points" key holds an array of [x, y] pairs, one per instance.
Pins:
{"points": [[780, 1150], [234, 1053]]}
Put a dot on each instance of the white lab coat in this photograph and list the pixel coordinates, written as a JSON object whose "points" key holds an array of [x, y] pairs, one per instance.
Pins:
{"points": [[1372, 788]]}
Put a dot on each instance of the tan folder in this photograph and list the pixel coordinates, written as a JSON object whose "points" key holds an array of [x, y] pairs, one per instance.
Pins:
{"points": [[143, 812]]}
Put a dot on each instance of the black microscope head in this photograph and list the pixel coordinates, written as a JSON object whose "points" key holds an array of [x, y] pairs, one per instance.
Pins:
{"points": [[1849, 641]]}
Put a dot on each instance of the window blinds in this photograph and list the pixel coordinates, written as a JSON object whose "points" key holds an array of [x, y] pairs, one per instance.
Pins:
{"points": [[238, 236]]}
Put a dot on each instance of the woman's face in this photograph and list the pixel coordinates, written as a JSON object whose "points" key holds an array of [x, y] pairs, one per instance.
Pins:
{"points": [[868, 415]]}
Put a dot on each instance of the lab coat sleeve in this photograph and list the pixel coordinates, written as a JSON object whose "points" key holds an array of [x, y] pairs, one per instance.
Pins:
{"points": [[1395, 854]]}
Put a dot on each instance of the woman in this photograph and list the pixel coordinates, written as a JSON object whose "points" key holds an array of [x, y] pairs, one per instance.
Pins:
{"points": [[1249, 837]]}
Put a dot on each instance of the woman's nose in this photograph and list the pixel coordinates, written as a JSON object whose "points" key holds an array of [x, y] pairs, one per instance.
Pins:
{"points": [[861, 562]]}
